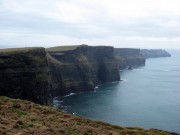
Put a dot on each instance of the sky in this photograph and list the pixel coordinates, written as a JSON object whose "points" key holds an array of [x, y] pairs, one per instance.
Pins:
{"points": [[118, 23]]}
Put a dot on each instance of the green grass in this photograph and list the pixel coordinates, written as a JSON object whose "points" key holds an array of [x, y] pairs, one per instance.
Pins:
{"points": [[9, 50], [18, 112], [78, 123], [62, 48], [73, 131], [20, 124], [33, 119], [88, 132], [27, 126]]}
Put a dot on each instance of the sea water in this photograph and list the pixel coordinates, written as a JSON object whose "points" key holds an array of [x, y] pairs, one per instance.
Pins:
{"points": [[148, 97]]}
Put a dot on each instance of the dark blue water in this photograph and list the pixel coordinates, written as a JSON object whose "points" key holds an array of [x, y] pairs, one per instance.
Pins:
{"points": [[148, 97]]}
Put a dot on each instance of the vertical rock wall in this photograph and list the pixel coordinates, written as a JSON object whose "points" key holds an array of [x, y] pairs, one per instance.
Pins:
{"points": [[36, 75], [23, 74], [81, 69], [129, 57]]}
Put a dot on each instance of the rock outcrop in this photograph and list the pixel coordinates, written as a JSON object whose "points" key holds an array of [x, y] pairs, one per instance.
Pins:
{"points": [[24, 74], [154, 53], [75, 69], [129, 57]]}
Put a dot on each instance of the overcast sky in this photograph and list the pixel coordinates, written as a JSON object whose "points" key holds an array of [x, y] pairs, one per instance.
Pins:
{"points": [[120, 23]]}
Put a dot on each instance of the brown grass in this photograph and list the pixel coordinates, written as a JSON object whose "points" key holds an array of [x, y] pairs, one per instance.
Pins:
{"points": [[62, 48], [20, 117], [12, 50]]}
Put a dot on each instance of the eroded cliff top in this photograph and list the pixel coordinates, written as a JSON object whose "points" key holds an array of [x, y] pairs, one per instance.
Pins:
{"points": [[20, 117], [72, 47], [62, 48], [15, 50]]}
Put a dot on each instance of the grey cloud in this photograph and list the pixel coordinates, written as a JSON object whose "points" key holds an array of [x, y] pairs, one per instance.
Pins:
{"points": [[98, 27]]}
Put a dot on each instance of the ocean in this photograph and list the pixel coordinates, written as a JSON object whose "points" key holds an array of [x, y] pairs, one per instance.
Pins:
{"points": [[148, 97]]}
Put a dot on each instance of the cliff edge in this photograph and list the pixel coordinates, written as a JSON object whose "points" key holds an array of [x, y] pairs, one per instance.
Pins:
{"points": [[24, 74]]}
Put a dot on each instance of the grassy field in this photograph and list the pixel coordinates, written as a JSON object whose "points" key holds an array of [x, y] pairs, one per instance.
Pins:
{"points": [[14, 50], [62, 48], [20, 117]]}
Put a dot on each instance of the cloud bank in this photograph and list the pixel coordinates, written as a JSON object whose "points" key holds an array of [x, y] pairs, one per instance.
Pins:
{"points": [[130, 23]]}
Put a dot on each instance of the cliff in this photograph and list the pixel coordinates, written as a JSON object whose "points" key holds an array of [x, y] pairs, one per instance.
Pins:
{"points": [[154, 53], [19, 117], [75, 69], [129, 57], [23, 74], [38, 75], [27, 74]]}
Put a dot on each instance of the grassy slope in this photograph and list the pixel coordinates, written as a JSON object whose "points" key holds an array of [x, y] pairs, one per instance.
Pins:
{"points": [[22, 117]]}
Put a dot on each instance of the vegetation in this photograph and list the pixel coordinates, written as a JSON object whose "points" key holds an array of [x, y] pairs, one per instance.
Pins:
{"points": [[62, 48], [24, 117], [12, 50]]}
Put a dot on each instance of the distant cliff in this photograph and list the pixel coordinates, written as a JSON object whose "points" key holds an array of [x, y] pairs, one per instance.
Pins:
{"points": [[129, 57], [80, 68], [153, 53], [23, 74]]}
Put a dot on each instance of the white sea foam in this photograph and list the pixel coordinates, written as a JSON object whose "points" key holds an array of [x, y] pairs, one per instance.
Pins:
{"points": [[115, 82], [70, 94], [123, 80], [96, 87], [55, 98], [57, 101]]}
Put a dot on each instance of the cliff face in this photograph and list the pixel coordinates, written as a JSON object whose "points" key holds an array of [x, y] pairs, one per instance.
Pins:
{"points": [[154, 53], [129, 57], [36, 75], [81, 68], [23, 74]]}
